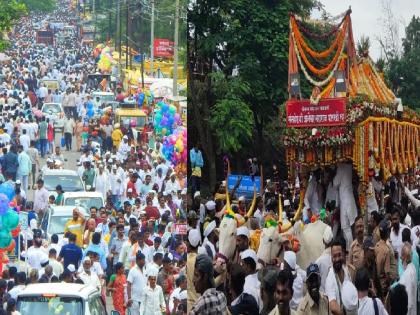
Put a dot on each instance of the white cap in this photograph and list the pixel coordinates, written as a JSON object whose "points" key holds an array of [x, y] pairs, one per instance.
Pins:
{"points": [[86, 259], [328, 235], [110, 161], [196, 194], [194, 237], [114, 167], [290, 258], [152, 272], [242, 230], [108, 153], [129, 190], [210, 205], [249, 253], [131, 170], [18, 182], [153, 192], [286, 202], [350, 297], [183, 295], [210, 228], [184, 191], [241, 198], [71, 268], [125, 137]]}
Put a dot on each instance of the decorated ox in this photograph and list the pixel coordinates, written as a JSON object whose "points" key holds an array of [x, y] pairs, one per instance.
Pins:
{"points": [[270, 244]]}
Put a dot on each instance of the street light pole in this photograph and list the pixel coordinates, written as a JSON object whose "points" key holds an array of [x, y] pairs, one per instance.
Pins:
{"points": [[126, 35], [175, 76], [152, 37]]}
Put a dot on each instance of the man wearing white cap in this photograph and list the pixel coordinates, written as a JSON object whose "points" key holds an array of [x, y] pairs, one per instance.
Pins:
{"points": [[115, 185], [242, 243], [123, 149], [210, 206], [172, 184], [151, 298], [252, 284], [324, 261], [88, 277], [193, 241], [299, 282], [210, 240], [101, 182]]}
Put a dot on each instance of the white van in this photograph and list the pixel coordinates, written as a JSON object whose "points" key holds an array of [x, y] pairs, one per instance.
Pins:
{"points": [[61, 298], [85, 199]]}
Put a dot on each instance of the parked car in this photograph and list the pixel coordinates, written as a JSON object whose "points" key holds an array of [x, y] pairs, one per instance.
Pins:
{"points": [[55, 112], [85, 199], [56, 217], [61, 298], [68, 179]]}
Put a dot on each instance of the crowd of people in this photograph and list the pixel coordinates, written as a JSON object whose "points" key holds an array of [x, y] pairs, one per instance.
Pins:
{"points": [[132, 249], [370, 268]]}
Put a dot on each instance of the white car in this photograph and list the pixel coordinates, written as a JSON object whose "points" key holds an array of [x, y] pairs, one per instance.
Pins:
{"points": [[55, 112], [68, 179], [85, 199], [61, 298], [55, 219]]}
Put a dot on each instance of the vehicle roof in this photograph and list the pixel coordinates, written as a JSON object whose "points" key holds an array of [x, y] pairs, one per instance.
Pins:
{"points": [[60, 172], [134, 112], [92, 194], [61, 289], [67, 210]]}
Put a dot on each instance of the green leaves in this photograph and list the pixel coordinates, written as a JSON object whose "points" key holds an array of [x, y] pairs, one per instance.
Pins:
{"points": [[11, 11], [40, 5]]}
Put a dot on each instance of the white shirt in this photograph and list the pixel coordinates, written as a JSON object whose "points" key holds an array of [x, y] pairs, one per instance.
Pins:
{"points": [[414, 237], [172, 186], [324, 263], [202, 249], [25, 141], [409, 280], [252, 287], [41, 199], [138, 281], [152, 301], [396, 240], [331, 287], [56, 266], [91, 279], [35, 256], [366, 306], [174, 295], [16, 290], [298, 286]]}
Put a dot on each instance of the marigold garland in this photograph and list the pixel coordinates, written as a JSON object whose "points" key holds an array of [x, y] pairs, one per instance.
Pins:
{"points": [[322, 54]]}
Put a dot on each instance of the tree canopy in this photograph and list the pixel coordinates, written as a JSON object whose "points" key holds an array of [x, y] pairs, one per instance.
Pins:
{"points": [[40, 5], [247, 42], [402, 72], [11, 11]]}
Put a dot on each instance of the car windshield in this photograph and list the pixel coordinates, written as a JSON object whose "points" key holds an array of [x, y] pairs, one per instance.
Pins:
{"points": [[67, 182], [106, 98], [55, 108], [140, 121], [57, 223], [85, 202], [46, 305]]}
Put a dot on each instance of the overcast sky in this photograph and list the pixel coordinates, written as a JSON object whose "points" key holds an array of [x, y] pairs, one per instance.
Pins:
{"points": [[366, 17]]}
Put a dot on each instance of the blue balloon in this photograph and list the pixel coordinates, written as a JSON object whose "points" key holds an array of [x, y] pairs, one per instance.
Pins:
{"points": [[90, 113], [10, 220], [8, 190], [4, 204], [165, 107], [140, 99]]}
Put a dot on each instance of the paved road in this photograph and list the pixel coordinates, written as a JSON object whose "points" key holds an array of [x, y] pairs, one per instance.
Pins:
{"points": [[72, 157]]}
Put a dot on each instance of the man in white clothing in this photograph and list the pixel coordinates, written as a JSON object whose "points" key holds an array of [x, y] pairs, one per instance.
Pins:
{"points": [[25, 140], [87, 276], [252, 284], [367, 304], [396, 231], [41, 196], [136, 284], [152, 301], [101, 182], [409, 278], [324, 261]]}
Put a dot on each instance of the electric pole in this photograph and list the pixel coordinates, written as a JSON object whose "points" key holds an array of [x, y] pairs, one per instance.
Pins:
{"points": [[175, 76], [152, 38], [126, 34], [109, 21]]}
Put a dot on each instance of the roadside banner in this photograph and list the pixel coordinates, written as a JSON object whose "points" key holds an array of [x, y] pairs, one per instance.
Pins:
{"points": [[246, 188]]}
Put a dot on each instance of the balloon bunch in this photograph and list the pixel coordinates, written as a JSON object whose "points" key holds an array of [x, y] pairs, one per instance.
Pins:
{"points": [[175, 147], [103, 57], [90, 110], [165, 119], [144, 98], [9, 218]]}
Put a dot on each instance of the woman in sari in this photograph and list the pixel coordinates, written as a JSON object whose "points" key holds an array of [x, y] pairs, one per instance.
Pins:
{"points": [[78, 133], [117, 285]]}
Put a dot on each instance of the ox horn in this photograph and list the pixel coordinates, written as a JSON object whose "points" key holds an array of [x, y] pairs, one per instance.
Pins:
{"points": [[254, 201]]}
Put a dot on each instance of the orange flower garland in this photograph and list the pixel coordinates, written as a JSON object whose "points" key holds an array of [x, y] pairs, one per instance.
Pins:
{"points": [[329, 50]]}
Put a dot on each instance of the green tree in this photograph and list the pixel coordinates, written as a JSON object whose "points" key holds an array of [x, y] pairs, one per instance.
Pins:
{"points": [[243, 38], [402, 73], [40, 5], [11, 11]]}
